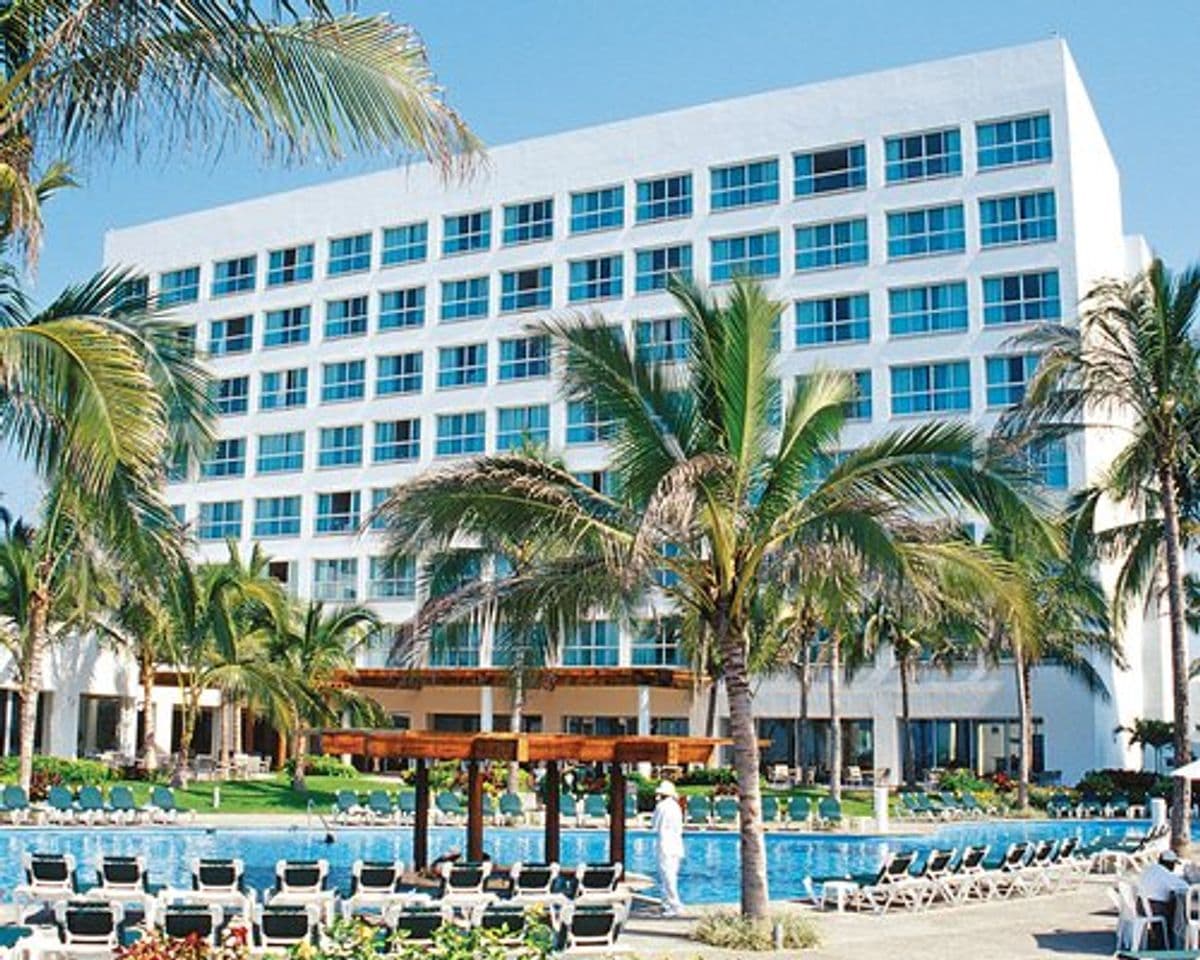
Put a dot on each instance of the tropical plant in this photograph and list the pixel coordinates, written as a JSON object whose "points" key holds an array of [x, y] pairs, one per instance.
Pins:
{"points": [[713, 485], [1131, 367], [729, 930], [1154, 734], [313, 647]]}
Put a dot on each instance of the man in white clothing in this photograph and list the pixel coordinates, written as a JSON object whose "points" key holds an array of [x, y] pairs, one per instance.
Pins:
{"points": [[668, 827], [1159, 883]]}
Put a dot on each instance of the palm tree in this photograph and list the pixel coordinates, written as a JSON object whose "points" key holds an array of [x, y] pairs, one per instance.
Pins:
{"points": [[1154, 734], [314, 648], [710, 487], [1131, 367], [86, 79]]}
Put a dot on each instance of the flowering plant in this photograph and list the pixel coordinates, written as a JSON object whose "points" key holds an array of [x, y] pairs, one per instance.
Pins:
{"points": [[153, 945]]}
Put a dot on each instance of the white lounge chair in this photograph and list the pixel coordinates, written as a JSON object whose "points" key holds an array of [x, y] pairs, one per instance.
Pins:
{"points": [[301, 882], [88, 928]]}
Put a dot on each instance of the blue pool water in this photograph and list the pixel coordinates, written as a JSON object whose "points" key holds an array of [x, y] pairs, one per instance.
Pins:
{"points": [[709, 874]]}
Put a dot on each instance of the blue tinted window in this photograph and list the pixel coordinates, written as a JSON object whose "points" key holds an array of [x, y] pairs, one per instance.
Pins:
{"points": [[346, 318], [277, 517], [221, 520], [833, 320], [927, 309], [464, 299], [455, 645], [402, 308], [752, 255], [1007, 378], [1048, 460], [1018, 218], [587, 423], [602, 209], [283, 389], [837, 243], [338, 512], [280, 452], [398, 373], [287, 327], [290, 265], [654, 267], [1021, 298], [827, 171], [525, 222], [460, 433], [344, 380], [919, 233], [397, 440], [521, 426], [226, 458], [340, 447], [179, 286], [234, 335], [527, 289], [932, 387], [408, 243], [466, 232], [349, 254], [462, 366], [920, 156], [335, 579], [233, 276], [745, 184], [524, 358], [663, 340], [597, 279], [231, 395], [594, 643], [392, 578], [664, 198], [1005, 143]]}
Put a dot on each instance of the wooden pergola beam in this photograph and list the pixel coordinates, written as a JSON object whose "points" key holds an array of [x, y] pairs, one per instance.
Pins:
{"points": [[396, 678]]}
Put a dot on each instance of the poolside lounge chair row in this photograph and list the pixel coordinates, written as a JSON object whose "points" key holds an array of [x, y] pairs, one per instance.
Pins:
{"points": [[382, 808], [798, 812], [942, 805], [1090, 805], [90, 807]]}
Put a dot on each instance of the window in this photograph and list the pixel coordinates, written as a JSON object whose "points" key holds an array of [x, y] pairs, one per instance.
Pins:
{"points": [[922, 156], [407, 243], [379, 496], [654, 267], [837, 243], [235, 335], [349, 254], [281, 452], [233, 276], [1021, 298], [522, 426], [833, 320], [600, 278], [592, 644], [1007, 378], [179, 286], [220, 520], [602, 209], [392, 578], [398, 373], [524, 358], [527, 289], [586, 423], [858, 407], [462, 366], [231, 395], [397, 440], [338, 512], [185, 339], [663, 340], [525, 222], [464, 299], [466, 232], [277, 517], [460, 433], [656, 644], [752, 255], [664, 198], [1048, 460], [402, 308], [335, 579], [601, 481], [287, 327], [745, 184], [827, 171], [132, 293], [226, 458], [920, 233], [290, 265], [1017, 218], [1006, 143], [340, 447], [929, 387], [344, 380], [346, 318], [927, 309], [284, 389], [454, 645], [179, 512], [177, 466]]}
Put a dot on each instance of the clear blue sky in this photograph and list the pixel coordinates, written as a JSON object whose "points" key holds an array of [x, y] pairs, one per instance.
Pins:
{"points": [[519, 68]]}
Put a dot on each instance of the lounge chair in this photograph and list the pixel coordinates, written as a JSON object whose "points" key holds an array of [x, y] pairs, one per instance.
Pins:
{"points": [[417, 924], [217, 880], [592, 925], [1090, 806], [568, 810], [123, 808], [971, 805], [854, 776], [1008, 874], [15, 804], [487, 807], [699, 810], [13, 941], [829, 812], [534, 882], [303, 882], [376, 884], [1059, 806], [951, 807], [770, 811], [380, 808], [725, 811], [346, 808], [164, 809], [182, 920], [595, 811], [449, 809], [92, 808], [506, 921], [780, 777], [927, 882], [86, 926], [512, 809], [1118, 806], [600, 883], [463, 878], [968, 877], [406, 806], [60, 805], [799, 811], [121, 875], [880, 890], [287, 925], [49, 879]]}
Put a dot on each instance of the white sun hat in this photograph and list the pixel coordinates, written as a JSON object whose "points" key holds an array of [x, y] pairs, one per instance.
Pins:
{"points": [[665, 789]]}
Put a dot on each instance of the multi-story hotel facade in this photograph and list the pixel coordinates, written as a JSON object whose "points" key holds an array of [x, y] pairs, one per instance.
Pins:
{"points": [[911, 221]]}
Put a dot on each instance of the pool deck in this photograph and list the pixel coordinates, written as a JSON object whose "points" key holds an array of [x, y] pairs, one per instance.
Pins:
{"points": [[1071, 924]]}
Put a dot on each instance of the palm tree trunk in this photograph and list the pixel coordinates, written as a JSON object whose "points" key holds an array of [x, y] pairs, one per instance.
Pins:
{"points": [[908, 773], [1181, 801], [223, 749], [31, 681], [1024, 723], [835, 719], [755, 901], [518, 709], [149, 731], [802, 726], [710, 719], [299, 750]]}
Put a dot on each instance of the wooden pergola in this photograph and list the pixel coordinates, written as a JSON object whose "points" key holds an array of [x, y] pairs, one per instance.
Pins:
{"points": [[551, 749]]}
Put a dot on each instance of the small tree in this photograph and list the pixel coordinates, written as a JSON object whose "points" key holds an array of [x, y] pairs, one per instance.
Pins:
{"points": [[1154, 734]]}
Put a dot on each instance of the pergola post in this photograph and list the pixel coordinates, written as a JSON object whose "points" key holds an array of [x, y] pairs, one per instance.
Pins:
{"points": [[616, 813], [553, 822], [421, 817], [474, 812]]}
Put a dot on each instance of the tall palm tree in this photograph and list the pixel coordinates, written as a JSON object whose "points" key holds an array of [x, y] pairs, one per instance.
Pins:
{"points": [[1131, 367], [313, 648], [711, 488]]}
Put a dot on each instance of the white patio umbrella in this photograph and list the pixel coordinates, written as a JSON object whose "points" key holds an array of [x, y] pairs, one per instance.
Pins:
{"points": [[1189, 771]]}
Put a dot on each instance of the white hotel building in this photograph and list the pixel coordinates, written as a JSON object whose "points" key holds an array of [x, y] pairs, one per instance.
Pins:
{"points": [[912, 221]]}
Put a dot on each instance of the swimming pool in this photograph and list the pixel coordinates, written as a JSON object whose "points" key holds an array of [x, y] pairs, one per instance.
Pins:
{"points": [[709, 874]]}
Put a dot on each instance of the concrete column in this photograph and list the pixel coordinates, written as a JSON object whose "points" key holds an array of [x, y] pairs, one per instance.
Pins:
{"points": [[91, 721], [643, 722], [487, 707], [127, 727]]}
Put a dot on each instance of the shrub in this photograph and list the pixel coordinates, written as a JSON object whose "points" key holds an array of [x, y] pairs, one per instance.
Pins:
{"points": [[353, 939], [708, 777], [1137, 785], [157, 946], [51, 771], [961, 779], [729, 930], [319, 766]]}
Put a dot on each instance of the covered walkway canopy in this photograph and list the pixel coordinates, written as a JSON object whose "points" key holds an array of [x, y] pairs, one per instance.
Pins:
{"points": [[551, 749]]}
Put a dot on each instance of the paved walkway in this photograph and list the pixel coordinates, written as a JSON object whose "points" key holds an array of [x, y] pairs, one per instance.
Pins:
{"points": [[1064, 926]]}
